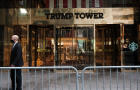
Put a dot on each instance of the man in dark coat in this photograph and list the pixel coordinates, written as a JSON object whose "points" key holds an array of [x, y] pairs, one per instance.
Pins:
{"points": [[16, 60]]}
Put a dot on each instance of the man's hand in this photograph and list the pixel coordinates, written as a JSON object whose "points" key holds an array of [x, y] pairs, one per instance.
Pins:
{"points": [[12, 65]]}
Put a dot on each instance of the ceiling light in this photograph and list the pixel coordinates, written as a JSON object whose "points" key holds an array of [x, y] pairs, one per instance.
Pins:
{"points": [[23, 11]]}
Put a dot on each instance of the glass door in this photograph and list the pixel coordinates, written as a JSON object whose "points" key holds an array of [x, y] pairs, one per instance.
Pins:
{"points": [[130, 45], [41, 45], [107, 45], [75, 45]]}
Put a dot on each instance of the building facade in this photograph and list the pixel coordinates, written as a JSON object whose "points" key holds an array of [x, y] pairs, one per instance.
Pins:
{"points": [[72, 32]]}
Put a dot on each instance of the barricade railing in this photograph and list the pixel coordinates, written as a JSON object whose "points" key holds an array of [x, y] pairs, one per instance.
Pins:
{"points": [[42, 78], [111, 78], [67, 78]]}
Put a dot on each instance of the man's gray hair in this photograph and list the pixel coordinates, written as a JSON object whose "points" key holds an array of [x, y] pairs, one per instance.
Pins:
{"points": [[16, 37]]}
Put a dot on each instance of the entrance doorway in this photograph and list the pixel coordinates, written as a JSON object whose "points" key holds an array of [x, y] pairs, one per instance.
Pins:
{"points": [[75, 46], [108, 45], [130, 47], [41, 45]]}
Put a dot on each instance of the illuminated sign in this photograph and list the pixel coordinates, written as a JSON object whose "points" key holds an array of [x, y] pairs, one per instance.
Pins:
{"points": [[133, 46]]}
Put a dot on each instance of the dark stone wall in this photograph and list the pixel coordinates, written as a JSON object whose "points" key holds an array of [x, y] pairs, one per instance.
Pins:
{"points": [[1, 44]]}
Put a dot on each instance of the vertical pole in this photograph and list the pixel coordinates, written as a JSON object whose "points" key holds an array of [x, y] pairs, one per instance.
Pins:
{"points": [[94, 45], [69, 78], [130, 83], [8, 78], [56, 45], [54, 50], [83, 82], [35, 80], [2, 45], [30, 16], [36, 46], [60, 43], [29, 78], [17, 17], [29, 39], [123, 80], [55, 80], [62, 79], [110, 79], [103, 53], [1, 80], [137, 79], [122, 42], [117, 79], [15, 78], [97, 79], [77, 80], [22, 78], [71, 31], [28, 46], [90, 79], [103, 79], [42, 77], [49, 80]]}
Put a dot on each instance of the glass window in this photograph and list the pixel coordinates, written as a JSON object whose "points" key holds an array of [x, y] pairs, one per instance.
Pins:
{"points": [[75, 45], [130, 46], [21, 31], [107, 45], [41, 45]]}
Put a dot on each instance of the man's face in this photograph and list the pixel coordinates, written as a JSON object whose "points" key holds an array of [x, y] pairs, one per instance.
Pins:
{"points": [[125, 45], [12, 39]]}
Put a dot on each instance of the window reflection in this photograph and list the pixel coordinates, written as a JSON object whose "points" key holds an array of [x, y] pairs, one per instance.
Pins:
{"points": [[75, 46], [107, 45], [21, 31], [44, 45], [41, 45]]}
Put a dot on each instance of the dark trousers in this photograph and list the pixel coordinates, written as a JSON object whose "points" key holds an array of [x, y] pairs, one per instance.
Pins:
{"points": [[16, 79]]}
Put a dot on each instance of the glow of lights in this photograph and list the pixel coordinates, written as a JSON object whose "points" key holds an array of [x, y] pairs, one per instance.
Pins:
{"points": [[23, 11]]}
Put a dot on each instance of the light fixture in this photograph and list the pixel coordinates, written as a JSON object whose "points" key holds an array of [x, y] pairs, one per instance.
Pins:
{"points": [[23, 11]]}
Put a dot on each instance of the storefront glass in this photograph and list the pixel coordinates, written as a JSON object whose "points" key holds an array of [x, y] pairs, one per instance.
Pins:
{"points": [[75, 45], [8, 31], [75, 37], [108, 45], [41, 45], [131, 46]]}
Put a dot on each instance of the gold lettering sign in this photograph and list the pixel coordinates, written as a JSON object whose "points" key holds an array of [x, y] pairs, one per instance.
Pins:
{"points": [[68, 16]]}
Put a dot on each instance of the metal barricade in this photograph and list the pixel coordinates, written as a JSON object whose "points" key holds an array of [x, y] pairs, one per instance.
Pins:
{"points": [[111, 78], [42, 78], [67, 78]]}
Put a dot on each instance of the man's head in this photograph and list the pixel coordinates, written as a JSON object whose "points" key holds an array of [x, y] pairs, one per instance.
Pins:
{"points": [[125, 45], [14, 38]]}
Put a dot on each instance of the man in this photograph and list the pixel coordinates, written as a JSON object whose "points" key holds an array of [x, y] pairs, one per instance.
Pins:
{"points": [[16, 60]]}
